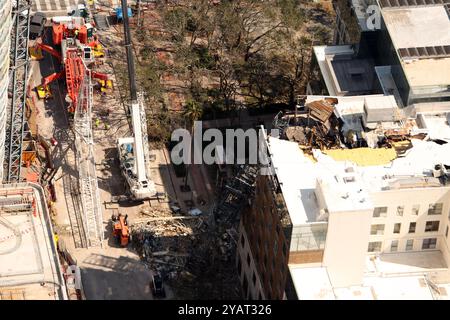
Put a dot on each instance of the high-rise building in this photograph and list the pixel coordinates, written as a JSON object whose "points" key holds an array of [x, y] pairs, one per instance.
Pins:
{"points": [[5, 26]]}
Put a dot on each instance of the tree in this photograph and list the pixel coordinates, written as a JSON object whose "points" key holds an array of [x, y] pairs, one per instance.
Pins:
{"points": [[192, 112], [175, 22], [200, 22], [246, 26], [294, 65], [227, 82]]}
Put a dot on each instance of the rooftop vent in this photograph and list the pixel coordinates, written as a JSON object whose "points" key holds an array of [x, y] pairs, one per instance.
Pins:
{"points": [[411, 3], [424, 52]]}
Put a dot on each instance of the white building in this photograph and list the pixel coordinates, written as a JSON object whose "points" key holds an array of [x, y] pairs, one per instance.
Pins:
{"points": [[5, 25], [29, 262], [369, 223]]}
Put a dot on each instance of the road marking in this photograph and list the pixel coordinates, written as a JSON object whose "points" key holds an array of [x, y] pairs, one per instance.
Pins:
{"points": [[38, 5], [58, 4]]}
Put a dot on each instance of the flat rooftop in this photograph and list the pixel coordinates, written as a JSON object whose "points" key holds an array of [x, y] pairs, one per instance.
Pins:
{"points": [[29, 263], [422, 26], [352, 76], [398, 276], [343, 74]]}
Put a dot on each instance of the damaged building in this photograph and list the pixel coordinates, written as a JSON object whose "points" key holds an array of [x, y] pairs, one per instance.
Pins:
{"points": [[341, 224]]}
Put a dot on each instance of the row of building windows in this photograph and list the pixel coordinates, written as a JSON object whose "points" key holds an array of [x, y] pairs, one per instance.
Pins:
{"points": [[430, 226], [429, 243], [433, 209]]}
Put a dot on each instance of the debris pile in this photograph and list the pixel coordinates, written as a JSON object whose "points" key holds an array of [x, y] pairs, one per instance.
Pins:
{"points": [[320, 124], [314, 127], [164, 245]]}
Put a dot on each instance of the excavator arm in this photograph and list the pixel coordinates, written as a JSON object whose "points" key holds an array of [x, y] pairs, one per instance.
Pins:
{"points": [[50, 50], [54, 76]]}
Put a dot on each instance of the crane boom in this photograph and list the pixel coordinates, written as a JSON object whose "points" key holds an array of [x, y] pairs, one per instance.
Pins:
{"points": [[130, 60], [133, 152]]}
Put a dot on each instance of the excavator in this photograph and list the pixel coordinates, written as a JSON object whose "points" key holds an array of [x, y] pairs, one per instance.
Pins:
{"points": [[120, 229]]}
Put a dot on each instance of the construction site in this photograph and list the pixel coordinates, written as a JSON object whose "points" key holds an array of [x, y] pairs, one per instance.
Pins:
{"points": [[112, 212]]}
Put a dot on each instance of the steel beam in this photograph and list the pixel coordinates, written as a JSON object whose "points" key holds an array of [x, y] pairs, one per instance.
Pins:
{"points": [[18, 87]]}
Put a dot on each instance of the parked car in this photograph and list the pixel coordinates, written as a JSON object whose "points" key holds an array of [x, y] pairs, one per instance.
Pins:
{"points": [[157, 286], [37, 25]]}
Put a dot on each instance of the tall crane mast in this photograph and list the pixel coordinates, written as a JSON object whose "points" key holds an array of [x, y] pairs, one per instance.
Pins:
{"points": [[134, 152], [16, 123]]}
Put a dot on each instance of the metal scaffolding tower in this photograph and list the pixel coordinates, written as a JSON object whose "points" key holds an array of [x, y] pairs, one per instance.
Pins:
{"points": [[85, 163], [17, 89]]}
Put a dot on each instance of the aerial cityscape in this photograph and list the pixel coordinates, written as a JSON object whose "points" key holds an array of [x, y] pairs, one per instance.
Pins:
{"points": [[224, 150]]}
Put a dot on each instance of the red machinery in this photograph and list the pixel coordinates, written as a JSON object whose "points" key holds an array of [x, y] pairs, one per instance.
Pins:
{"points": [[120, 229], [75, 73], [74, 67]]}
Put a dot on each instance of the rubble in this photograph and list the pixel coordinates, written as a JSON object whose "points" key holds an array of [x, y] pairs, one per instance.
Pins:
{"points": [[164, 245]]}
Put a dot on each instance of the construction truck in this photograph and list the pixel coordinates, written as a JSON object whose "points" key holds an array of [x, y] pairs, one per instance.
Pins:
{"points": [[133, 151], [120, 229]]}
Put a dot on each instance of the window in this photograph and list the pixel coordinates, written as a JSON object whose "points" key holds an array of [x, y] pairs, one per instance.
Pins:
{"points": [[415, 209], [400, 210], [242, 241], [446, 232], [429, 243], [394, 246], [377, 229], [432, 226], [248, 258], [412, 227], [435, 208], [374, 246], [397, 227], [254, 278], [284, 249], [379, 212], [409, 244]]}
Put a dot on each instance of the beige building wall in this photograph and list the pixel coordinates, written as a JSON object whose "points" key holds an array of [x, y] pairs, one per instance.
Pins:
{"points": [[346, 246], [402, 208]]}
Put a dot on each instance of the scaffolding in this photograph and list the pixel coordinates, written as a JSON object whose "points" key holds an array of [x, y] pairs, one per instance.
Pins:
{"points": [[85, 162], [16, 123]]}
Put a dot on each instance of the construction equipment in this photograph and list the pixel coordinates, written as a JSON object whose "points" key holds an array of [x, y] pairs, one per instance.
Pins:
{"points": [[76, 41], [133, 151], [44, 92], [120, 229], [78, 47], [16, 123]]}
